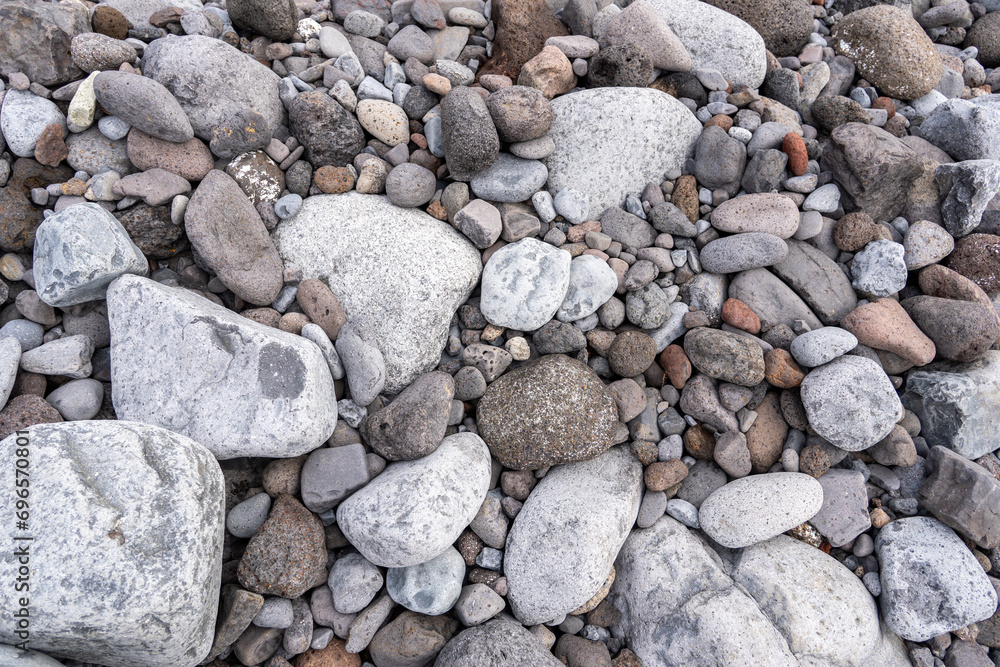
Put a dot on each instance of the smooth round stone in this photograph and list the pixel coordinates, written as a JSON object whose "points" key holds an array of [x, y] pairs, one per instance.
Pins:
{"points": [[815, 348], [742, 252], [825, 199], [78, 399], [244, 519], [591, 283], [276, 613], [509, 179], [572, 205], [430, 588], [683, 511], [354, 582], [524, 284], [925, 243], [29, 334], [725, 356], [333, 43], [385, 121], [756, 508], [113, 128], [763, 212], [363, 23], [409, 185], [536, 149], [287, 206], [467, 17], [23, 118], [851, 402], [879, 269]]}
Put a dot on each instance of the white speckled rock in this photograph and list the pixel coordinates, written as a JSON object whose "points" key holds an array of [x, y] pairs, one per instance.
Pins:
{"points": [[851, 402], [879, 269], [23, 117], [127, 521], [717, 40], [680, 608], [756, 508], [591, 283], [567, 535], [15, 657], [815, 348], [524, 284], [931, 582], [385, 121], [821, 608], [613, 141], [79, 251], [398, 273], [414, 510], [238, 387], [10, 359]]}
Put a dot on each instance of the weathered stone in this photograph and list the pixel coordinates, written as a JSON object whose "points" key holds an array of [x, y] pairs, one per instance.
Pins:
{"points": [[962, 495]]}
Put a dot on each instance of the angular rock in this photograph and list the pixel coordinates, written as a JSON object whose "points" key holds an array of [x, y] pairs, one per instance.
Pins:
{"points": [[411, 640], [844, 514], [967, 188], [965, 129], [470, 140], [498, 643], [963, 496], [39, 47], [771, 299], [414, 424]]}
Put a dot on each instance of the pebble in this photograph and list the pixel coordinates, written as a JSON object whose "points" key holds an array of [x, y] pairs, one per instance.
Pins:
{"points": [[880, 269], [77, 399], [430, 588], [767, 213], [245, 518], [354, 582], [509, 179], [815, 348], [410, 185], [524, 284]]}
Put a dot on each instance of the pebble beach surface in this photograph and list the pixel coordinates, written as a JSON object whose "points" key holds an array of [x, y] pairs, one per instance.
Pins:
{"points": [[527, 333]]}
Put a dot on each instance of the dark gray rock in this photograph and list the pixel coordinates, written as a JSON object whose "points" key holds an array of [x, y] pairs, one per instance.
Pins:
{"points": [[962, 495], [558, 338], [967, 188], [470, 139], [765, 171], [243, 132], [39, 46], [625, 65], [782, 85], [628, 229], [497, 643], [330, 474], [329, 132], [277, 19], [414, 424], [719, 160], [818, 280]]}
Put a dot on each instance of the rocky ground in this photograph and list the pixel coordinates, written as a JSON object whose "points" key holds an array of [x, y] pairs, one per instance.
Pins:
{"points": [[525, 332]]}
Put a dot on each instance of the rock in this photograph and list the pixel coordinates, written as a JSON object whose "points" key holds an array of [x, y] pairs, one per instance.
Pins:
{"points": [[844, 514], [967, 187], [819, 606], [550, 72], [640, 25], [509, 179], [330, 475], [977, 257], [520, 113], [851, 402], [277, 19], [717, 40], [414, 424], [330, 133], [884, 325], [591, 283], [965, 129], [69, 356], [334, 655], [470, 139], [753, 509], [958, 404], [411, 640], [591, 146], [392, 520], [815, 348], [931, 583], [430, 588], [212, 81], [818, 280], [765, 212], [384, 120], [144, 104], [880, 40], [190, 160], [741, 252], [168, 597], [725, 356], [80, 250], [554, 410], [287, 555], [243, 132], [354, 582], [363, 363], [497, 643], [961, 330], [156, 187], [926, 243], [153, 231], [410, 185], [398, 273], [40, 47], [720, 160], [963, 496], [244, 519], [281, 399], [24, 117], [879, 269], [524, 284], [625, 65], [522, 28], [628, 229], [784, 25]]}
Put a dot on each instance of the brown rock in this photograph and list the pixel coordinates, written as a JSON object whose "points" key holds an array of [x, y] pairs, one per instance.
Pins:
{"points": [[151, 228], [676, 365], [738, 314], [190, 160], [885, 103], [725, 356], [766, 438], [940, 281], [685, 196], [334, 655], [699, 443], [577, 651], [293, 322], [977, 257], [24, 411], [522, 26], [29, 383], [469, 545], [51, 149], [107, 20], [813, 460], [631, 353], [781, 370], [661, 475], [550, 72], [269, 317], [161, 17], [287, 556], [795, 148], [895, 449], [281, 476], [629, 397], [334, 180], [321, 305], [961, 330], [626, 658], [18, 217], [856, 230], [411, 639], [884, 325], [720, 120]]}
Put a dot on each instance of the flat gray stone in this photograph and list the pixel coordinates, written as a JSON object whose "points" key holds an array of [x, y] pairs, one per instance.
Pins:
{"points": [[567, 535], [414, 510], [844, 514], [598, 131], [354, 582], [364, 364], [963, 496], [143, 103], [430, 588], [815, 348], [238, 387], [115, 496], [331, 474], [741, 252], [398, 273], [772, 300], [818, 280], [509, 179], [524, 284], [77, 399], [79, 251]]}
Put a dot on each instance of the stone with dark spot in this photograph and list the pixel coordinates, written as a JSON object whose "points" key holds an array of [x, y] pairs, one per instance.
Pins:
{"points": [[620, 65], [414, 424], [236, 386], [554, 410], [277, 19], [470, 139], [287, 556]]}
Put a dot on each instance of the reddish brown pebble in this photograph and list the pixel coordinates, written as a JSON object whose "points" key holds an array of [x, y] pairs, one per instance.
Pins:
{"points": [[469, 545], [856, 230], [24, 411], [781, 370], [29, 383], [720, 120], [334, 655], [436, 209], [738, 314], [51, 149], [661, 475], [885, 325], [293, 322], [334, 180], [977, 257], [676, 365], [696, 318], [321, 305], [269, 317], [419, 139], [109, 21], [886, 104], [577, 233], [521, 30], [814, 461], [795, 148], [699, 443], [645, 451], [685, 197]]}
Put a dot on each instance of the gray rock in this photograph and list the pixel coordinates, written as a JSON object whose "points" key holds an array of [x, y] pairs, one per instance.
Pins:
{"points": [[143, 103], [414, 510], [430, 588], [648, 307], [77, 399], [139, 11], [363, 362], [354, 582], [719, 160], [23, 117], [40, 47], [667, 218], [116, 604], [91, 151], [568, 533], [331, 474], [965, 129], [398, 273], [764, 212], [967, 188], [815, 348], [753, 509], [238, 387], [958, 404], [242, 132], [628, 229], [931, 583], [277, 19], [879, 269], [509, 179], [10, 359], [741, 252], [69, 356], [27, 333], [409, 185], [477, 604], [79, 251], [411, 42], [520, 113], [962, 495], [414, 424], [844, 514], [480, 221], [211, 81], [498, 643], [818, 280], [765, 171], [244, 520], [470, 138], [591, 283], [330, 133], [771, 299], [524, 284], [851, 402], [592, 145], [926, 243]]}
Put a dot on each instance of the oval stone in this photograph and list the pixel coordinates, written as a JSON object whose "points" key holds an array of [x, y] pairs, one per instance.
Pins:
{"points": [[725, 356]]}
